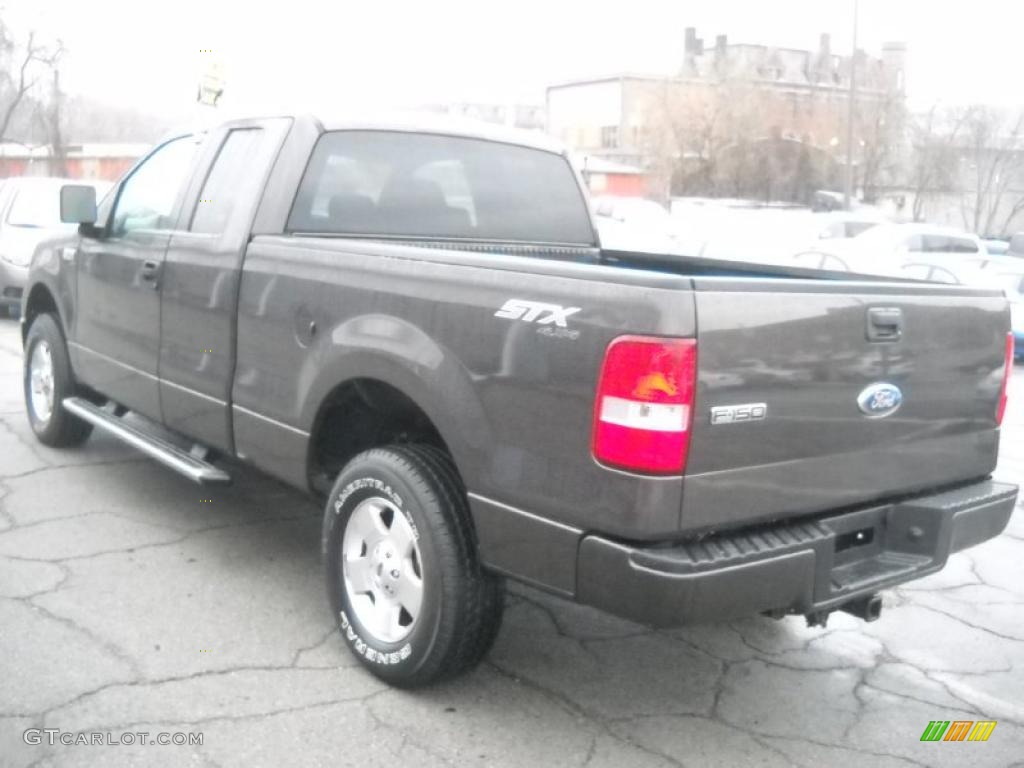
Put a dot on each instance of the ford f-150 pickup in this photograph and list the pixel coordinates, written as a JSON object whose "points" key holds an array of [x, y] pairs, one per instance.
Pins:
{"points": [[416, 323]]}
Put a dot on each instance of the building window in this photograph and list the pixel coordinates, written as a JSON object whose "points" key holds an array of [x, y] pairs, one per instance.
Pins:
{"points": [[609, 136]]}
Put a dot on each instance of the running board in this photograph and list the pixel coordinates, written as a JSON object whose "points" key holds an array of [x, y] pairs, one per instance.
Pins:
{"points": [[167, 453]]}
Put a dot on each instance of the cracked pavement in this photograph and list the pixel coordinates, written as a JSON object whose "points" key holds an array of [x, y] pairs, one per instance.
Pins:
{"points": [[127, 604]]}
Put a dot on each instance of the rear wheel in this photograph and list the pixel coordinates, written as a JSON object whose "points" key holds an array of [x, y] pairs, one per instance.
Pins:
{"points": [[403, 577], [47, 381]]}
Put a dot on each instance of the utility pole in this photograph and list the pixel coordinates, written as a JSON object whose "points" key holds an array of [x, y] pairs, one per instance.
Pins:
{"points": [[851, 106]]}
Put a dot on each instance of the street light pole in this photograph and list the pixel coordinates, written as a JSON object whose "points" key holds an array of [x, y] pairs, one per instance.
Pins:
{"points": [[848, 185]]}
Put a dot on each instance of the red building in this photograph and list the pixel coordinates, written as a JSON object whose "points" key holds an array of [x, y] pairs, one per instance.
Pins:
{"points": [[82, 161], [605, 177]]}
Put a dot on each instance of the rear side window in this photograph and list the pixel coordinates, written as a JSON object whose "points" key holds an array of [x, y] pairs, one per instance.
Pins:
{"points": [[232, 175], [384, 183]]}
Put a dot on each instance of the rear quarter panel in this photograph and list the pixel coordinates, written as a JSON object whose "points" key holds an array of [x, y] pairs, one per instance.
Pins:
{"points": [[513, 404]]}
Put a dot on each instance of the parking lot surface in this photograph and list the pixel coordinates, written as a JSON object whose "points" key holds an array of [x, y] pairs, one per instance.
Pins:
{"points": [[134, 601]]}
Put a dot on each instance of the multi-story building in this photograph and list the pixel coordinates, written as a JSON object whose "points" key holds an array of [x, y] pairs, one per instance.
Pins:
{"points": [[730, 95], [525, 116]]}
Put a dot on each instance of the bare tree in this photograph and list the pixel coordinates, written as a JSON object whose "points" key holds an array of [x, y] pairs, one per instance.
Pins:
{"points": [[705, 135], [992, 151], [53, 119], [934, 137], [23, 66], [879, 126]]}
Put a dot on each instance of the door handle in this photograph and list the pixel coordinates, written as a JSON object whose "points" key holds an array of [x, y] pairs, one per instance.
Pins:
{"points": [[885, 324], [151, 273]]}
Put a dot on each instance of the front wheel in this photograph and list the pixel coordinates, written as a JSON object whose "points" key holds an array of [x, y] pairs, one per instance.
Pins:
{"points": [[412, 601], [47, 381]]}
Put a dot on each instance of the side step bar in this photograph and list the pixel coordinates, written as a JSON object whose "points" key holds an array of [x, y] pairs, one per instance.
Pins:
{"points": [[165, 452]]}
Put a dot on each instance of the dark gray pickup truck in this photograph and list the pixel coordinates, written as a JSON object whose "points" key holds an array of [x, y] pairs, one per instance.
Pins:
{"points": [[418, 325]]}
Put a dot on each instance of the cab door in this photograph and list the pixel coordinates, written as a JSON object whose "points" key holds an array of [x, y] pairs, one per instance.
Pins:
{"points": [[116, 330], [201, 275]]}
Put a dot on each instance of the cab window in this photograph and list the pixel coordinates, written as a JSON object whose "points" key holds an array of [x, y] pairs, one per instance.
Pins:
{"points": [[149, 195]]}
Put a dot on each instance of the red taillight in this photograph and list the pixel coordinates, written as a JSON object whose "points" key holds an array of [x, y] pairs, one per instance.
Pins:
{"points": [[644, 404], [1001, 408]]}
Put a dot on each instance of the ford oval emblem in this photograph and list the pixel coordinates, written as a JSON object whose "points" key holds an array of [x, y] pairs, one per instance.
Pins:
{"points": [[879, 400]]}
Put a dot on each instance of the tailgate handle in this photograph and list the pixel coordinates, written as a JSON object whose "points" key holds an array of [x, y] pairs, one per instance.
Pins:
{"points": [[885, 323]]}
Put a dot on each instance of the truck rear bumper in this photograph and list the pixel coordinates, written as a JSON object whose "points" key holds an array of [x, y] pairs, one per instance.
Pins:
{"points": [[797, 567]]}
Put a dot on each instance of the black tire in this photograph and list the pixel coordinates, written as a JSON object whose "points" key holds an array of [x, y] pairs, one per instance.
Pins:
{"points": [[462, 604], [60, 429]]}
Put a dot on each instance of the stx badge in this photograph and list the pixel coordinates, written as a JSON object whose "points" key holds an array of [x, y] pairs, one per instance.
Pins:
{"points": [[536, 312]]}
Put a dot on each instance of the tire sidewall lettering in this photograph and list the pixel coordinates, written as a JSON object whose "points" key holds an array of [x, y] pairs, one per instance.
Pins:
{"points": [[362, 648]]}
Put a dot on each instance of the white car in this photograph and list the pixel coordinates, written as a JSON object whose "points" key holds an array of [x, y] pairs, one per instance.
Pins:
{"points": [[886, 249], [29, 213], [636, 224], [846, 224]]}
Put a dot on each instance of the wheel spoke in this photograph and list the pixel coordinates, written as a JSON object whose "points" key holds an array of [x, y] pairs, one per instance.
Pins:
{"points": [[401, 535], [409, 591], [385, 619], [366, 524], [358, 571]]}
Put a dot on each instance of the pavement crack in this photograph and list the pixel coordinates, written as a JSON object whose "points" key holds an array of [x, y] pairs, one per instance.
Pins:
{"points": [[107, 645], [331, 633], [75, 465], [159, 544], [972, 625], [573, 708], [202, 721], [143, 682]]}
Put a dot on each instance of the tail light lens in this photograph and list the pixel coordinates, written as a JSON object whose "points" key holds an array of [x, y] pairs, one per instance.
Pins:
{"points": [[644, 405], [1001, 408]]}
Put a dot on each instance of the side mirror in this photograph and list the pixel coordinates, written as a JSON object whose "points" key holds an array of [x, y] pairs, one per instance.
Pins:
{"points": [[78, 204]]}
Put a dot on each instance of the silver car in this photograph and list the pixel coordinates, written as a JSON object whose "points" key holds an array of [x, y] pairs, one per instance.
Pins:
{"points": [[29, 213]]}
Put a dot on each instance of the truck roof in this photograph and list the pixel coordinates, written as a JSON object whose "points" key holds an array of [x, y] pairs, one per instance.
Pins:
{"points": [[426, 122], [415, 122]]}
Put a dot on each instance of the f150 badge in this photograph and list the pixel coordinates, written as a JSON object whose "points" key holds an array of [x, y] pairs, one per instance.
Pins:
{"points": [[738, 414], [879, 400]]}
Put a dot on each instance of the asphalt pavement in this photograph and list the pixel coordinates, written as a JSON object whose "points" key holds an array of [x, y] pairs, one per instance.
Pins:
{"points": [[132, 601]]}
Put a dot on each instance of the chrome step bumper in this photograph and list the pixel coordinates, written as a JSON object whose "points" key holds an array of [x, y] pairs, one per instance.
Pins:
{"points": [[152, 445]]}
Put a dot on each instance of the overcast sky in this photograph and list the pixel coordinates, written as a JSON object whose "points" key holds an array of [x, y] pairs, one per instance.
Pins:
{"points": [[334, 56]]}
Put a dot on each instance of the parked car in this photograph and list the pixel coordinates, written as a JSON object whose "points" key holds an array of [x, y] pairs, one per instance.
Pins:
{"points": [[997, 247], [885, 248], [636, 224], [29, 213], [781, 235], [846, 224], [416, 324], [1016, 247]]}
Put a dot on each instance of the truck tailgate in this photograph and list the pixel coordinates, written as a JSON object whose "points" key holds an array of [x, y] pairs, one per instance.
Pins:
{"points": [[809, 352]]}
